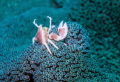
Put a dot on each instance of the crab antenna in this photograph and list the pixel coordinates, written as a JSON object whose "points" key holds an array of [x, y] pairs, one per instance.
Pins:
{"points": [[50, 26], [39, 26], [35, 23]]}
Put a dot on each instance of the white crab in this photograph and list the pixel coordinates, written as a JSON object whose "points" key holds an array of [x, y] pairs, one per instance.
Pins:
{"points": [[43, 36]]}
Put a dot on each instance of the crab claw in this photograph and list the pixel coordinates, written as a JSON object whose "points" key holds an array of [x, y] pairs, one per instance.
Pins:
{"points": [[62, 31]]}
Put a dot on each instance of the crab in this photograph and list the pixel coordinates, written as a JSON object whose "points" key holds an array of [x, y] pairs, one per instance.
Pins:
{"points": [[43, 35]]}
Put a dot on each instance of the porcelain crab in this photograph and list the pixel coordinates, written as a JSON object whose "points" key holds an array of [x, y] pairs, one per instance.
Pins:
{"points": [[43, 35]]}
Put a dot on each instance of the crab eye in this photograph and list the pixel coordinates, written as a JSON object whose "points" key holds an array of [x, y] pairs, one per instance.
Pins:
{"points": [[45, 29]]}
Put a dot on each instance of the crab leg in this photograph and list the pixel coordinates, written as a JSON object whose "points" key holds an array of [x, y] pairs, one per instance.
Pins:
{"points": [[34, 39], [47, 48], [53, 44]]}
